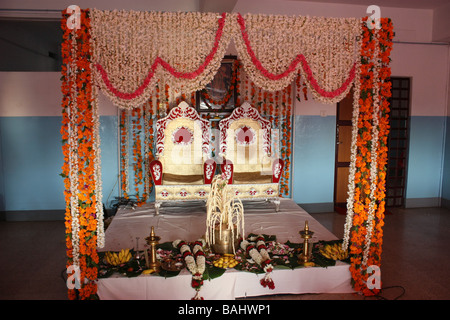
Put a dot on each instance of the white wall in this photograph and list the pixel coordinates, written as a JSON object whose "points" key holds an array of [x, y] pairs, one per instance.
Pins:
{"points": [[441, 23], [38, 94], [428, 67]]}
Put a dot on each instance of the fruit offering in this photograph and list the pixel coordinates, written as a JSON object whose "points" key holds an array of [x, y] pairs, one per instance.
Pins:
{"points": [[225, 262], [116, 259], [334, 252]]}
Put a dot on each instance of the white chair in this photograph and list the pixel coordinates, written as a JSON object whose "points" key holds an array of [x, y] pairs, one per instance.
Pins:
{"points": [[183, 169], [245, 142]]}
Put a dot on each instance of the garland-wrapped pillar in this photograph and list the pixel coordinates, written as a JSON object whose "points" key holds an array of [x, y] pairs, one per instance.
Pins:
{"points": [[81, 168], [366, 202]]}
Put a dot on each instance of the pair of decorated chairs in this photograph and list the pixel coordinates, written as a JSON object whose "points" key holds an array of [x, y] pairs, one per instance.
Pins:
{"points": [[183, 169]]}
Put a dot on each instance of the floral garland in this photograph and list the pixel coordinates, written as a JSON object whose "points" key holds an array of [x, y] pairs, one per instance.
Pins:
{"points": [[124, 184], [137, 152], [141, 66], [256, 248], [338, 54], [149, 143], [81, 149], [158, 35], [286, 141], [366, 202], [195, 262]]}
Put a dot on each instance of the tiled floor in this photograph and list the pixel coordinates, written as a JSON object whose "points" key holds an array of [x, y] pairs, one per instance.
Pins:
{"points": [[415, 257]]}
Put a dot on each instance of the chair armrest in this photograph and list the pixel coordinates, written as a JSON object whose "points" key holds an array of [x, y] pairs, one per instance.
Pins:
{"points": [[227, 170], [156, 170], [277, 169], [209, 170]]}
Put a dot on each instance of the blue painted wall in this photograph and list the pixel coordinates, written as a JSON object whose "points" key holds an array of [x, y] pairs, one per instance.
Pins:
{"points": [[31, 163], [425, 163], [31, 160], [314, 156]]}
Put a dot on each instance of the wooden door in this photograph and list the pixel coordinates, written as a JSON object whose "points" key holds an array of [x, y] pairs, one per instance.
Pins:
{"points": [[343, 150]]}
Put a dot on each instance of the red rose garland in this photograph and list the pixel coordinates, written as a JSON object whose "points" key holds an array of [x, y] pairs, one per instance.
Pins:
{"points": [[195, 262], [256, 248]]}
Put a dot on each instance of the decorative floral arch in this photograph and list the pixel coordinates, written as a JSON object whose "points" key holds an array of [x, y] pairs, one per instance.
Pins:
{"points": [[129, 55]]}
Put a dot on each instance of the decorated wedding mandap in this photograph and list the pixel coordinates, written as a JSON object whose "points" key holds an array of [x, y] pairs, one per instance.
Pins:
{"points": [[222, 224]]}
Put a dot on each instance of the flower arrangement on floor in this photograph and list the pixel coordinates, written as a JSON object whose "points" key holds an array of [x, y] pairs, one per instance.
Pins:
{"points": [[259, 254]]}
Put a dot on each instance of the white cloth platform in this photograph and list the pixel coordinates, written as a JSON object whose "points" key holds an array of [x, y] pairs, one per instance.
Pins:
{"points": [[187, 221]]}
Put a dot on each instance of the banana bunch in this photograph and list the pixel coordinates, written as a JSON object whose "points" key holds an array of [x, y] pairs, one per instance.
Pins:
{"points": [[227, 261], [334, 252], [116, 259]]}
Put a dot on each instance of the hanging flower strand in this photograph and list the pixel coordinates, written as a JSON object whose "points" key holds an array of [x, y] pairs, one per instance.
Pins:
{"points": [[366, 202], [84, 219]]}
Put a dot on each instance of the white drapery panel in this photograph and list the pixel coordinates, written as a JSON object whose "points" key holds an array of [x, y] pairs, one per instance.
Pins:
{"points": [[273, 49], [133, 52]]}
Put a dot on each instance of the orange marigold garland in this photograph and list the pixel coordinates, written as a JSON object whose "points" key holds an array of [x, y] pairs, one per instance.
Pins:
{"points": [[287, 140], [68, 140], [363, 230], [124, 185], [84, 214], [137, 153]]}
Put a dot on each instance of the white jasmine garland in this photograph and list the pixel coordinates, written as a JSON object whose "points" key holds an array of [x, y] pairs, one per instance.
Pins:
{"points": [[328, 45], [260, 256], [201, 259], [373, 151], [196, 266], [126, 45], [98, 171], [73, 157], [353, 153]]}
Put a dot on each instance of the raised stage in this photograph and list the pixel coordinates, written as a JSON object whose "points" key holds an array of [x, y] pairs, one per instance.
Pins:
{"points": [[188, 222]]}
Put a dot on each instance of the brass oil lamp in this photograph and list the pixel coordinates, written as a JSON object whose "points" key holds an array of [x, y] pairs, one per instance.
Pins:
{"points": [[153, 241], [305, 256]]}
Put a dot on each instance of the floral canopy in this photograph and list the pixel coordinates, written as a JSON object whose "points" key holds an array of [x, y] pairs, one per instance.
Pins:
{"points": [[127, 54]]}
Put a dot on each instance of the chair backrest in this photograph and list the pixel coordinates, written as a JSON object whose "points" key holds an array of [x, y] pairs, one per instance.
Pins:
{"points": [[245, 140], [182, 141]]}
